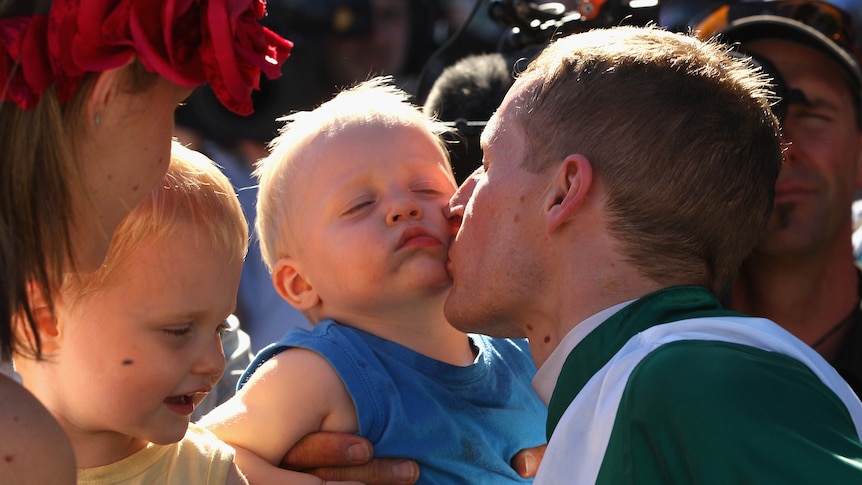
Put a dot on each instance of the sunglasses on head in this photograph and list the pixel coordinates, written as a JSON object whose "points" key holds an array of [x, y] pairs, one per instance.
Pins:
{"points": [[827, 19]]}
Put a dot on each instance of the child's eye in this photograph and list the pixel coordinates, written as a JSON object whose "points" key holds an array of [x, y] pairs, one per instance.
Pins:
{"points": [[357, 206], [426, 188]]}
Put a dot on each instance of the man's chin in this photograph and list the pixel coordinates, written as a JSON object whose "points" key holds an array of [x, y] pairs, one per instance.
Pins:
{"points": [[455, 314], [463, 314]]}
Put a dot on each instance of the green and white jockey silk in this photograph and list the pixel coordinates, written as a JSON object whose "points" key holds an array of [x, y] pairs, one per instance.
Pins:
{"points": [[675, 389]]}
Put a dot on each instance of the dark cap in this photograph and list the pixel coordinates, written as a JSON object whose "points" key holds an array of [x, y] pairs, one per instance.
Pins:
{"points": [[762, 27]]}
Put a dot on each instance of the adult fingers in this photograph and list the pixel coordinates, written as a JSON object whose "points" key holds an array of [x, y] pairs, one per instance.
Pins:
{"points": [[526, 462]]}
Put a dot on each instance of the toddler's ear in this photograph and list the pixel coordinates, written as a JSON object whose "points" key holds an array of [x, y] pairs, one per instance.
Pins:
{"points": [[46, 322], [293, 286]]}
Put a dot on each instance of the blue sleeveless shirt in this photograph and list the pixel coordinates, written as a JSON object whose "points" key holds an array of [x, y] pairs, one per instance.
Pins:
{"points": [[462, 425]]}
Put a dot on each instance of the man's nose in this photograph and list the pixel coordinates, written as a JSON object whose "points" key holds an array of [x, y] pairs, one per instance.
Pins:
{"points": [[458, 202]]}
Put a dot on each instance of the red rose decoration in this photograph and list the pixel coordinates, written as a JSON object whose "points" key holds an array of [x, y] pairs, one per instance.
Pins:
{"points": [[62, 27], [100, 38], [24, 37], [169, 40], [236, 49], [189, 42]]}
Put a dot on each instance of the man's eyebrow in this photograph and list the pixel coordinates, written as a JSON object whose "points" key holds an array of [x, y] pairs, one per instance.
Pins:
{"points": [[798, 97], [813, 94], [491, 129]]}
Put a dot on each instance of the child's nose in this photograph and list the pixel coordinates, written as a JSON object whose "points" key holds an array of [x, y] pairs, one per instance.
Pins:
{"points": [[212, 362], [404, 208]]}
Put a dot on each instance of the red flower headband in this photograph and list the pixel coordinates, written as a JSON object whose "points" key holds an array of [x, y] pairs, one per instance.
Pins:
{"points": [[189, 42]]}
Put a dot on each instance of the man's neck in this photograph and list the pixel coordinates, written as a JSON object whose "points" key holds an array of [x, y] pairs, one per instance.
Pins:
{"points": [[577, 302]]}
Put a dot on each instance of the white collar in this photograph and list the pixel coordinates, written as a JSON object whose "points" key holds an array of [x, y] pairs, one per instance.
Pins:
{"points": [[546, 377]]}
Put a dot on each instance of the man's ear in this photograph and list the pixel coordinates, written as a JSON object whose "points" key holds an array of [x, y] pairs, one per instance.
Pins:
{"points": [[291, 284], [568, 190]]}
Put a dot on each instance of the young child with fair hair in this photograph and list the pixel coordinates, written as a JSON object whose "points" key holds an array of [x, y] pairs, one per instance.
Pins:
{"points": [[351, 222], [135, 346]]}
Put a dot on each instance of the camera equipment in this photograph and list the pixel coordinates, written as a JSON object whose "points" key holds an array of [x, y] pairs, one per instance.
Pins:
{"points": [[531, 26], [533, 23]]}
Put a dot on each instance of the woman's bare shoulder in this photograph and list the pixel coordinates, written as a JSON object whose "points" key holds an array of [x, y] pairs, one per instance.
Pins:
{"points": [[34, 449]]}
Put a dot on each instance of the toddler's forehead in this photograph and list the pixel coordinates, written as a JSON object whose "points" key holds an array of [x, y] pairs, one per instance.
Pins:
{"points": [[374, 129], [342, 147], [352, 137]]}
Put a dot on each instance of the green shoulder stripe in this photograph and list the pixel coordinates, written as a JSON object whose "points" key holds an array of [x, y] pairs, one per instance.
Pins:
{"points": [[663, 306], [715, 412]]}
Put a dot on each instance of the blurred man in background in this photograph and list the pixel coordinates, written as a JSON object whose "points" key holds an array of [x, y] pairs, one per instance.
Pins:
{"points": [[803, 274]]}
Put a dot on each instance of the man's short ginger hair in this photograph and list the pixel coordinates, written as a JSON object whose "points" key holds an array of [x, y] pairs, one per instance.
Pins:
{"points": [[680, 133], [193, 191]]}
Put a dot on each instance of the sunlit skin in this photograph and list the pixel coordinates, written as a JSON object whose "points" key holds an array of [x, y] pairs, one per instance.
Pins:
{"points": [[525, 462], [385, 211], [502, 286], [117, 175], [369, 241], [808, 241], [129, 366], [119, 160], [489, 263]]}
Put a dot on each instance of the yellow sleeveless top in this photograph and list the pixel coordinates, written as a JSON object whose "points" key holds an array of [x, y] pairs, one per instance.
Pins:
{"points": [[199, 458]]}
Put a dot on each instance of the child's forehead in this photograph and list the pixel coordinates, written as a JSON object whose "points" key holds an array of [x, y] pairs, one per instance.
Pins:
{"points": [[356, 130], [350, 150], [345, 142]]}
